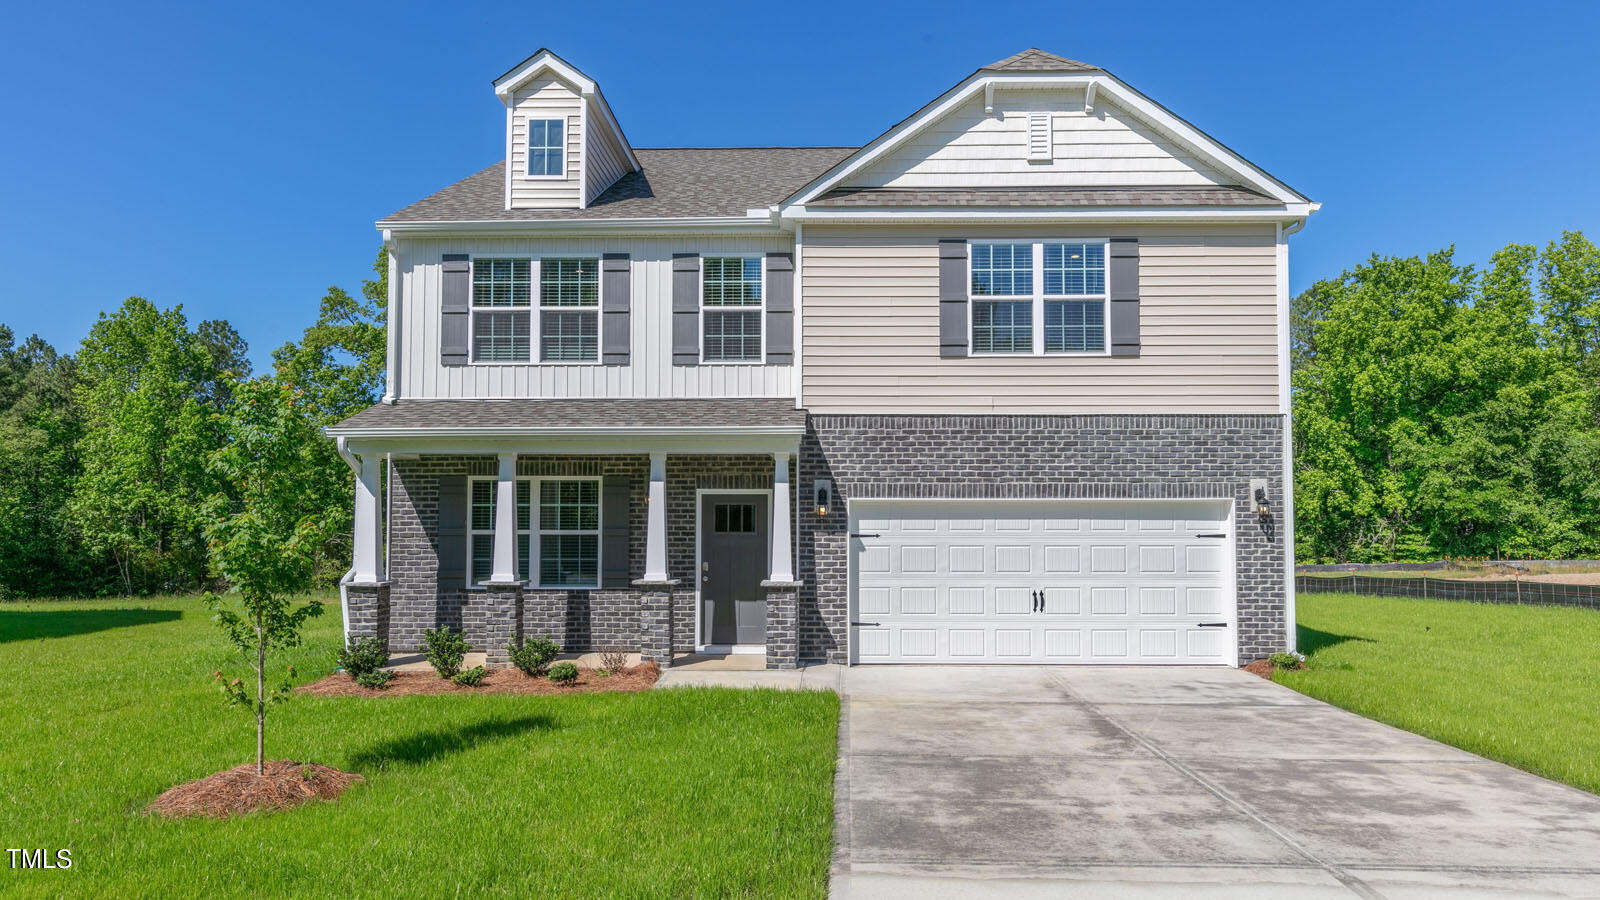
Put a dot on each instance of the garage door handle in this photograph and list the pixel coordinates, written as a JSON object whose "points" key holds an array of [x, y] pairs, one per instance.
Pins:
{"points": [[1213, 624], [865, 535], [1211, 535], [869, 624]]}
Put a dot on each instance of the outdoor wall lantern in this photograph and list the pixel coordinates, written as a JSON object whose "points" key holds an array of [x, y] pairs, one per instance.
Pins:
{"points": [[1263, 511], [824, 494]]}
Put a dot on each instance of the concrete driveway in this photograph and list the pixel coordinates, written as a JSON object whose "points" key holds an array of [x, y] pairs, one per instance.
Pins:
{"points": [[1147, 782]]}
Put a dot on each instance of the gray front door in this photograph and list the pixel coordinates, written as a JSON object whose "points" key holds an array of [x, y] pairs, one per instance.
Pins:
{"points": [[733, 563]]}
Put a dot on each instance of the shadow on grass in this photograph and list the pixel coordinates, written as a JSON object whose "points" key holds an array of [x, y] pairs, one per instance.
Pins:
{"points": [[30, 624], [425, 746], [1311, 640]]}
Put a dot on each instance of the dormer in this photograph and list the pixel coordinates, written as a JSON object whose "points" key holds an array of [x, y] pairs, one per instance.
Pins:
{"points": [[563, 145]]}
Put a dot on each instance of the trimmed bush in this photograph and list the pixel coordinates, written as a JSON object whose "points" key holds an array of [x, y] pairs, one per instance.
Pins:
{"points": [[375, 679], [1285, 661], [446, 648], [363, 657], [563, 673], [534, 655], [471, 677]]}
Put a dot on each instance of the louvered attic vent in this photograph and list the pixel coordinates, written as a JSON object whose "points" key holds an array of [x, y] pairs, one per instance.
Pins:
{"points": [[1039, 137]]}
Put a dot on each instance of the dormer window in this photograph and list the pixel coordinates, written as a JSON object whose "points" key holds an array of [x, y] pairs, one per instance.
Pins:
{"points": [[547, 148]]}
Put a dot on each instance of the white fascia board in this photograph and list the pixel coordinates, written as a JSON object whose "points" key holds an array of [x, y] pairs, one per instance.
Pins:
{"points": [[718, 224], [587, 441], [508, 85], [1205, 147], [1287, 213]]}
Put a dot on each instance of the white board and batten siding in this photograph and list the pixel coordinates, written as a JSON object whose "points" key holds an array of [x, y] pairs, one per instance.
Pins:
{"points": [[1208, 327], [649, 372], [968, 148], [1066, 582], [547, 97]]}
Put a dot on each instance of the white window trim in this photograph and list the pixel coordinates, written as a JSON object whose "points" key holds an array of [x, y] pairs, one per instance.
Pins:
{"points": [[534, 568], [527, 147], [1039, 297], [522, 533], [701, 282], [534, 308]]}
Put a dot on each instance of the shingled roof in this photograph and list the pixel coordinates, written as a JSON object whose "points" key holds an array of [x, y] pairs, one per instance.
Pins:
{"points": [[687, 182], [1036, 60]]}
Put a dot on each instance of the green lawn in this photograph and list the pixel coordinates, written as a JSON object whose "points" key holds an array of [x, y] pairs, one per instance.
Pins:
{"points": [[684, 793], [1520, 684]]}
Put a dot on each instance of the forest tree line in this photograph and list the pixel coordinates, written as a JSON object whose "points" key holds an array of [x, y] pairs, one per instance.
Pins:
{"points": [[1439, 411]]}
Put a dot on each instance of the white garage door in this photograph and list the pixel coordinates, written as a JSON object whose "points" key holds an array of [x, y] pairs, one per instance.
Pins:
{"points": [[1042, 582]]}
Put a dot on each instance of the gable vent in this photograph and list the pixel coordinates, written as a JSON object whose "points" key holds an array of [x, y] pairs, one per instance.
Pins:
{"points": [[1039, 137]]}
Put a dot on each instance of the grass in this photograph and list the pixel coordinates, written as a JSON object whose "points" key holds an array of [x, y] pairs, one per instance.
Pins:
{"points": [[1519, 684], [683, 793]]}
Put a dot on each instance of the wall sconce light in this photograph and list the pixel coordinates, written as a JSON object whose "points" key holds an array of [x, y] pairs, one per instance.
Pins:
{"points": [[823, 493], [1263, 511]]}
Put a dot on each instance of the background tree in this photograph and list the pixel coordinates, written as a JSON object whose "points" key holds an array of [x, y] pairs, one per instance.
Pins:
{"points": [[266, 529], [38, 461], [146, 389]]}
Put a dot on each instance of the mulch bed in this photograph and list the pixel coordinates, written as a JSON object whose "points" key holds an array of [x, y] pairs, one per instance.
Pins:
{"points": [[1262, 667], [240, 790], [499, 681]]}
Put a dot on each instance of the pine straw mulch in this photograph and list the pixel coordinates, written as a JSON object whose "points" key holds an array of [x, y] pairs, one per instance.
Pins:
{"points": [[240, 790], [499, 681], [1262, 667]]}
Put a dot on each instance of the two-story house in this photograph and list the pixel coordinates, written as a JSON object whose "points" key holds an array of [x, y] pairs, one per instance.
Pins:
{"points": [[1009, 383]]}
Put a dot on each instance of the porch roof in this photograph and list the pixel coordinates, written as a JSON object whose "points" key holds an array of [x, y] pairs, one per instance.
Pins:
{"points": [[575, 417]]}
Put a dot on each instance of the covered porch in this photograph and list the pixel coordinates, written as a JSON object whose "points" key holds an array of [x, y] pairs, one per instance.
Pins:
{"points": [[662, 527]]}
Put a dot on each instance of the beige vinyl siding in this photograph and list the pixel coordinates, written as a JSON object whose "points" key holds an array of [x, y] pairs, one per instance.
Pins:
{"points": [[1208, 327], [546, 97], [649, 373], [968, 148], [605, 160]]}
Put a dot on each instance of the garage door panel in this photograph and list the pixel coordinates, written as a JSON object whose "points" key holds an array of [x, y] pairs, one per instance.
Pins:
{"points": [[1111, 582]]}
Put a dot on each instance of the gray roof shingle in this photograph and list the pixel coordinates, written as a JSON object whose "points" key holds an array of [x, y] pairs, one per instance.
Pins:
{"points": [[673, 183], [575, 414], [1036, 60], [1180, 195]]}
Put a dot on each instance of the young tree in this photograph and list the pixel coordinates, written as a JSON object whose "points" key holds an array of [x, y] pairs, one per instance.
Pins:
{"points": [[265, 533]]}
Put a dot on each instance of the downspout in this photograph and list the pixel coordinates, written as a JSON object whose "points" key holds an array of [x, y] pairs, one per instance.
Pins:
{"points": [[344, 581]]}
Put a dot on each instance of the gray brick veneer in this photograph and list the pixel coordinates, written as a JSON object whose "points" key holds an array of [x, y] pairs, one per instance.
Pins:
{"points": [[368, 606], [1076, 457]]}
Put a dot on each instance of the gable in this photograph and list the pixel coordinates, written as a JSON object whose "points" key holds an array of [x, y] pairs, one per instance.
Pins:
{"points": [[967, 147]]}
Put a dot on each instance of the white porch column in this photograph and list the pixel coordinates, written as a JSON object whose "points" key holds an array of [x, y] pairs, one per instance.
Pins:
{"points": [[368, 560], [505, 522], [782, 520], [655, 539]]}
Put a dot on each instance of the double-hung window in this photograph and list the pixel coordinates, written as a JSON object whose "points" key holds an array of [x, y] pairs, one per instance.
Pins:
{"points": [[569, 310], [547, 149], [501, 319], [480, 527], [569, 532], [1038, 297], [730, 308]]}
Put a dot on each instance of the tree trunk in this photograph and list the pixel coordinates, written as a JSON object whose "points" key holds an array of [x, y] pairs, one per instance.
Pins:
{"points": [[261, 701]]}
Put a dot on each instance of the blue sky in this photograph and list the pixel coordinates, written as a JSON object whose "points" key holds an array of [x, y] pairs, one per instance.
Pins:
{"points": [[233, 157]]}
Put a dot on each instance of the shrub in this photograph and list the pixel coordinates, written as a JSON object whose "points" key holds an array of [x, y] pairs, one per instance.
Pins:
{"points": [[563, 673], [471, 677], [363, 657], [378, 678], [1285, 661], [534, 655], [614, 661], [446, 649]]}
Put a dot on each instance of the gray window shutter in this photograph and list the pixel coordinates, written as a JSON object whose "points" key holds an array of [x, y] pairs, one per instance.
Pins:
{"points": [[455, 295], [615, 498], [780, 308], [685, 309], [1123, 270], [953, 297], [452, 531], [614, 309]]}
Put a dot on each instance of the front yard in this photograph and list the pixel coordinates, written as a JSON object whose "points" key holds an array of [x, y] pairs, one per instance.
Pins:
{"points": [[1520, 684], [703, 793]]}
